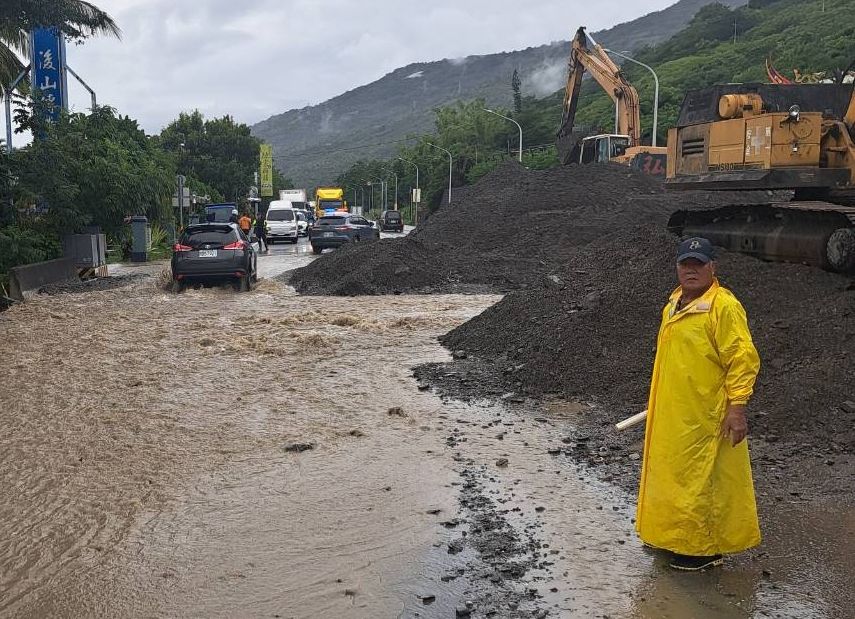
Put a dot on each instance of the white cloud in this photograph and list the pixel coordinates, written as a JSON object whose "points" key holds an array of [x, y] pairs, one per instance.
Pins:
{"points": [[255, 58]]}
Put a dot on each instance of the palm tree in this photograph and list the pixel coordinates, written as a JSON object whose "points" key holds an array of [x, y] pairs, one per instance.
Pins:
{"points": [[76, 19]]}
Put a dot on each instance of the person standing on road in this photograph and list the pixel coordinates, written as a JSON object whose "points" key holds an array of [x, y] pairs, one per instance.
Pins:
{"points": [[696, 497], [245, 224], [260, 226]]}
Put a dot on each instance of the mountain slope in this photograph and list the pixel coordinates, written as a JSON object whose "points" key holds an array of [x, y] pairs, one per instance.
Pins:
{"points": [[314, 144]]}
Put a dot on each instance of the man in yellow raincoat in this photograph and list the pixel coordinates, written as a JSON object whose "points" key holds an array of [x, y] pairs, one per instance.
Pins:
{"points": [[696, 497]]}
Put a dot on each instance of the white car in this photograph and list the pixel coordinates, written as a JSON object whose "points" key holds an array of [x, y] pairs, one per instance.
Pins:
{"points": [[282, 222], [302, 224]]}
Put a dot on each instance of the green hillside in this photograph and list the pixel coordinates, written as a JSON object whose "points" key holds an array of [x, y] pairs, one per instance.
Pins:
{"points": [[793, 33]]}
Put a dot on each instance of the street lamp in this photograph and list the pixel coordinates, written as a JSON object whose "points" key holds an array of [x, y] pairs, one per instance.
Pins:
{"points": [[450, 163], [655, 90], [513, 121]]}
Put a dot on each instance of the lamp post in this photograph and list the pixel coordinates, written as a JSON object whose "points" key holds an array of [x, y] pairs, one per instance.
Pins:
{"points": [[450, 164], [655, 89], [513, 121]]}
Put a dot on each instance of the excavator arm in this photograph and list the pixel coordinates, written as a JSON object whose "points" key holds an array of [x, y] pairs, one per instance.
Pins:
{"points": [[608, 75]]}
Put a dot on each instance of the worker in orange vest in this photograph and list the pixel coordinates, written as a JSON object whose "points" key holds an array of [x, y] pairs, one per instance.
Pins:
{"points": [[245, 224]]}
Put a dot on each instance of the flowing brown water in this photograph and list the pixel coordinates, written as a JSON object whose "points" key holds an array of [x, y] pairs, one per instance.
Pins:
{"points": [[144, 469]]}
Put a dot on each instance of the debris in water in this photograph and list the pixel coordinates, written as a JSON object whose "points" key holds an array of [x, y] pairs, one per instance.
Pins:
{"points": [[299, 447]]}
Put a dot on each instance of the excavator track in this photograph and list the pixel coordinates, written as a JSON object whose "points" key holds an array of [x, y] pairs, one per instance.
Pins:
{"points": [[817, 233]]}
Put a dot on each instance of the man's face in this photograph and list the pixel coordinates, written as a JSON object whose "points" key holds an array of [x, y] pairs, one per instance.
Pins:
{"points": [[695, 276]]}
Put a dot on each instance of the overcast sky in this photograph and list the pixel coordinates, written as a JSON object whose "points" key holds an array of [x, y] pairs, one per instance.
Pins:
{"points": [[256, 58]]}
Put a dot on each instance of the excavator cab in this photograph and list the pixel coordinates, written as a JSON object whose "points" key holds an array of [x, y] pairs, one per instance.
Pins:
{"points": [[603, 148]]}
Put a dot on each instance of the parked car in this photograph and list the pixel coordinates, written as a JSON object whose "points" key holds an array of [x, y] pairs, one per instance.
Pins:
{"points": [[302, 223], [391, 221], [281, 222], [214, 252], [336, 229]]}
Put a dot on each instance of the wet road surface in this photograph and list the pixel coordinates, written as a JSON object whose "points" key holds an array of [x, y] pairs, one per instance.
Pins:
{"points": [[258, 455]]}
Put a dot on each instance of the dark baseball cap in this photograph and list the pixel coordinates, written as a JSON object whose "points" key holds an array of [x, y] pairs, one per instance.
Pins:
{"points": [[696, 247]]}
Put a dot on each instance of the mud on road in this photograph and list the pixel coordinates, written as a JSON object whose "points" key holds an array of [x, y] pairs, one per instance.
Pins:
{"points": [[262, 454], [146, 466]]}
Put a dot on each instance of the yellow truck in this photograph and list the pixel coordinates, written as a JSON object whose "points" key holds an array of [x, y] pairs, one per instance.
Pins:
{"points": [[329, 199]]}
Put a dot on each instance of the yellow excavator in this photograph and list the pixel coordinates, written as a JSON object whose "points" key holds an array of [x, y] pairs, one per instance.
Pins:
{"points": [[797, 138], [624, 146]]}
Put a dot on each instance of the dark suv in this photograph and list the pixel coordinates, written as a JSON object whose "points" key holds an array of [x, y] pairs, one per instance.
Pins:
{"points": [[391, 221], [213, 252], [338, 228]]}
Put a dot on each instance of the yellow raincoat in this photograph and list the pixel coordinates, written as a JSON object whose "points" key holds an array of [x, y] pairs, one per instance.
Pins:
{"points": [[696, 495]]}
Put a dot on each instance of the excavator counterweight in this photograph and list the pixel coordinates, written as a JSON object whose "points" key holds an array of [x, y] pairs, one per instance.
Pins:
{"points": [[771, 137]]}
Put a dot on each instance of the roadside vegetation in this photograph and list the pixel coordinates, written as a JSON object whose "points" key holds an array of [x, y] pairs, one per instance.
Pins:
{"points": [[98, 168]]}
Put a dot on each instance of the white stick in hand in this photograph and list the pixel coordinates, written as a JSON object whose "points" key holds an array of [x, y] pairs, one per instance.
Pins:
{"points": [[632, 421]]}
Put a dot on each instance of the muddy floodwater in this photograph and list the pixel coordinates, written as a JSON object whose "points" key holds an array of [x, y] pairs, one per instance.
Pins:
{"points": [[215, 454]]}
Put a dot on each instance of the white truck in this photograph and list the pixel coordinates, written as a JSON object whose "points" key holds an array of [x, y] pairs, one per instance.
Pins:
{"points": [[297, 198]]}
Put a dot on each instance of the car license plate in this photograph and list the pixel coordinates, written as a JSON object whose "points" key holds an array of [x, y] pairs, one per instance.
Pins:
{"points": [[207, 253], [328, 233]]}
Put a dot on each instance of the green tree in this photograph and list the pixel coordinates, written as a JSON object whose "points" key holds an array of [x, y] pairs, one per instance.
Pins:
{"points": [[219, 153], [76, 20], [91, 170], [516, 87]]}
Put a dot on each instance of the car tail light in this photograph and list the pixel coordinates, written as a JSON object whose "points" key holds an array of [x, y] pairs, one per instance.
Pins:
{"points": [[180, 247], [237, 245]]}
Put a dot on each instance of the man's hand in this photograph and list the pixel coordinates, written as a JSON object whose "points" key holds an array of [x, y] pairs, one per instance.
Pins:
{"points": [[734, 425]]}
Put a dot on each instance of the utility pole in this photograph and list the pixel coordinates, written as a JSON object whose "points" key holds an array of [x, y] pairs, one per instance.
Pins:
{"points": [[396, 192], [417, 192], [181, 180]]}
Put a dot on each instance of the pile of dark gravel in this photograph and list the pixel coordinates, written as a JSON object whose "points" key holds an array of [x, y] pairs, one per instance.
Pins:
{"points": [[509, 228], [505, 232], [593, 333]]}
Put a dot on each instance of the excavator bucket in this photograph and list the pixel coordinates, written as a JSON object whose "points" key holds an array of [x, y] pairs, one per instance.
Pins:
{"points": [[568, 148]]}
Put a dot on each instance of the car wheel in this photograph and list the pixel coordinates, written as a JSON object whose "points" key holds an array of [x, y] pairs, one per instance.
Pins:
{"points": [[177, 286], [317, 250]]}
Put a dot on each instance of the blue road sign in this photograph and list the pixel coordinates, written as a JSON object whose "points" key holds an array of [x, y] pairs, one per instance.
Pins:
{"points": [[48, 69]]}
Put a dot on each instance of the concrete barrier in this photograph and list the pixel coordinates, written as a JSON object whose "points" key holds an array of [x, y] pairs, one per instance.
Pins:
{"points": [[27, 279]]}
